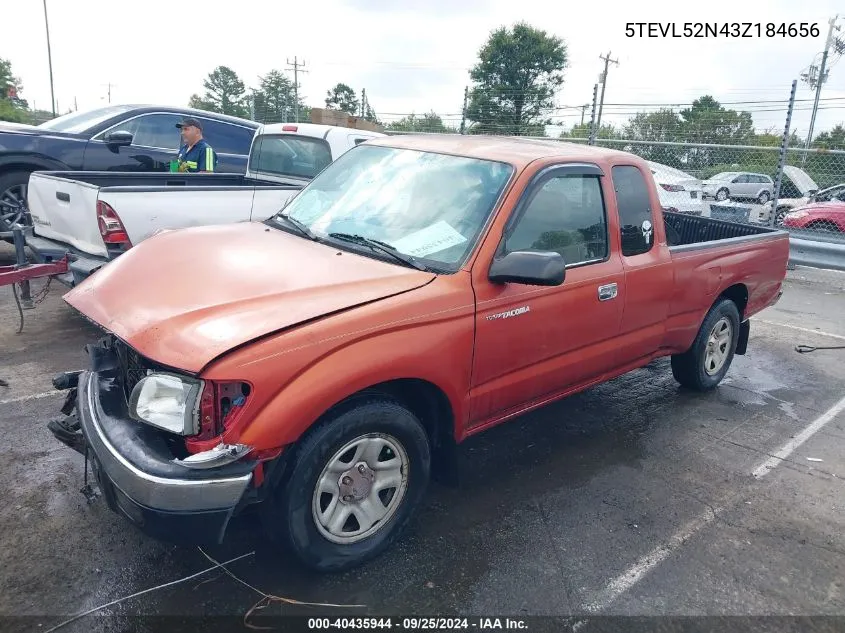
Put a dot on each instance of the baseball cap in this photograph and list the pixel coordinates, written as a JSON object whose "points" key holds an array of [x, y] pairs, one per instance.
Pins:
{"points": [[188, 121]]}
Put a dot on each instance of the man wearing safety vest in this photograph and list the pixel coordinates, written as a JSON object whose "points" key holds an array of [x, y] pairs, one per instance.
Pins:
{"points": [[196, 154]]}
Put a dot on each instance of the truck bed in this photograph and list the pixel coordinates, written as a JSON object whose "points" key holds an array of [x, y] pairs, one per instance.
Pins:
{"points": [[685, 231]]}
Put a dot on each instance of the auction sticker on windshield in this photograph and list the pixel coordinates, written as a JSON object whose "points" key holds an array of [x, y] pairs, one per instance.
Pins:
{"points": [[434, 238]]}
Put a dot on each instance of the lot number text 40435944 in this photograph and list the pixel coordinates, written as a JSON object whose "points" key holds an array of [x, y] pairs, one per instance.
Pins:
{"points": [[723, 29]]}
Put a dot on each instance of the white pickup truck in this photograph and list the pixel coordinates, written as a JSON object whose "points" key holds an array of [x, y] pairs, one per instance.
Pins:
{"points": [[95, 216]]}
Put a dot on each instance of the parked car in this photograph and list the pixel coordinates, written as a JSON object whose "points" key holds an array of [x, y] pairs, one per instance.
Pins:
{"points": [[827, 217], [740, 186], [795, 197], [323, 365], [679, 192], [97, 216], [113, 138]]}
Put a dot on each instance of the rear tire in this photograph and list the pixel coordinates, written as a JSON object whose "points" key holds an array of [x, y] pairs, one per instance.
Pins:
{"points": [[705, 364], [13, 202], [764, 197], [296, 514]]}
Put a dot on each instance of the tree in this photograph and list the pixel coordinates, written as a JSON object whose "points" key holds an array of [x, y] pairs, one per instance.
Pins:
{"points": [[519, 70], [834, 139], [12, 106], [429, 122], [275, 99], [707, 121], [582, 130], [224, 93], [343, 97]]}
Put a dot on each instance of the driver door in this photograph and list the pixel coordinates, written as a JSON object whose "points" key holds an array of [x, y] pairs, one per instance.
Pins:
{"points": [[532, 342]]}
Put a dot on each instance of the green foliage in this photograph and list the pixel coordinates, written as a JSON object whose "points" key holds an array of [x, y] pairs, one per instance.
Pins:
{"points": [[275, 100], [12, 106], [343, 97], [519, 70], [429, 122], [583, 131], [834, 139], [224, 93], [9, 112]]}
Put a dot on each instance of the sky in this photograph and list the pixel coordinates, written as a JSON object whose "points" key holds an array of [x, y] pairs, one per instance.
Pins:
{"points": [[415, 55]]}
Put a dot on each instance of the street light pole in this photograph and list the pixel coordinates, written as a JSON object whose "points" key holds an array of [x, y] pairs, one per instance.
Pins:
{"points": [[49, 60]]}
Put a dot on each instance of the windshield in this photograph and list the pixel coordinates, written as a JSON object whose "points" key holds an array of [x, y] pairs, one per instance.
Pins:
{"points": [[429, 206], [289, 155], [78, 122]]}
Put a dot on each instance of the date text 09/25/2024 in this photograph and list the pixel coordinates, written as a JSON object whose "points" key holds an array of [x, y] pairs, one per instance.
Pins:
{"points": [[723, 29], [417, 624]]}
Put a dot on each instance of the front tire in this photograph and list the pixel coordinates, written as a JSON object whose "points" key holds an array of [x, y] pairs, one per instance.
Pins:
{"points": [[722, 194], [13, 200], [356, 480], [705, 364]]}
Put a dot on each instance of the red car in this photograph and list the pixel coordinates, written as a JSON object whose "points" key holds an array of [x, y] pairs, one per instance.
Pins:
{"points": [[822, 216]]}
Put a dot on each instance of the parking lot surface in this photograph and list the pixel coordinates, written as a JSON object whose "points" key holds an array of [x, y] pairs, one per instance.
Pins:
{"points": [[633, 498]]}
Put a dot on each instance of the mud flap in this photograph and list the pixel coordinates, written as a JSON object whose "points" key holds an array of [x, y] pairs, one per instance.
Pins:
{"points": [[744, 334]]}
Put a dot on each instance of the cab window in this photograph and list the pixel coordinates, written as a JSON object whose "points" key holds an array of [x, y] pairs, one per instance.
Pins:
{"points": [[566, 214]]}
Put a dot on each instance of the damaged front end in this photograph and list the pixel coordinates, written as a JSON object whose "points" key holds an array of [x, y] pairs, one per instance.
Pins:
{"points": [[152, 437]]}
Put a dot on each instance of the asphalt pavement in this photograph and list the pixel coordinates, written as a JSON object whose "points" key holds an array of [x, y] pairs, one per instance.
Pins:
{"points": [[635, 498]]}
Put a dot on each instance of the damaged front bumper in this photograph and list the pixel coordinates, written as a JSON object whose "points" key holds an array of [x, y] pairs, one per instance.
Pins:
{"points": [[134, 466]]}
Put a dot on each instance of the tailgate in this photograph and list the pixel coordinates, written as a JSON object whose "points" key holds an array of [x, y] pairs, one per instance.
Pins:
{"points": [[66, 211]]}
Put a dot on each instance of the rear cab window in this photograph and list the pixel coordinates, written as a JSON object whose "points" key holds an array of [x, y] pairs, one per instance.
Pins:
{"points": [[633, 201], [289, 155]]}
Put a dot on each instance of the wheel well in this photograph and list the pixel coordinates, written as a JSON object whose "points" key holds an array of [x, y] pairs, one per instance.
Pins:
{"points": [[7, 167], [431, 405], [428, 403], [738, 293]]}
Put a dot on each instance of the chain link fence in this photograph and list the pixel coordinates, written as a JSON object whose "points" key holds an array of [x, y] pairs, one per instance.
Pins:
{"points": [[738, 183]]}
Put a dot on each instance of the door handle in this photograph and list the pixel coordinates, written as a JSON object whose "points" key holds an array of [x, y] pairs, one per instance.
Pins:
{"points": [[64, 197], [607, 292]]}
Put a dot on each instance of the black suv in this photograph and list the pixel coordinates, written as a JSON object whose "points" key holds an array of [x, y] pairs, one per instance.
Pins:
{"points": [[113, 138]]}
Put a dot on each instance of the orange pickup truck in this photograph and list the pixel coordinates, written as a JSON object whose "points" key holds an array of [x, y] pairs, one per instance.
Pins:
{"points": [[325, 364]]}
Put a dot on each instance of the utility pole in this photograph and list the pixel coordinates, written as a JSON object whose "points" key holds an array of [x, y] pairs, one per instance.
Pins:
{"points": [[296, 70], [464, 111], [819, 81], [583, 109], [592, 140], [607, 60], [109, 92], [363, 102], [49, 59], [75, 107]]}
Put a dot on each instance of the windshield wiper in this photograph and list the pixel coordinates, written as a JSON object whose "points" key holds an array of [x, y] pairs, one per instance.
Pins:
{"points": [[297, 224], [378, 245]]}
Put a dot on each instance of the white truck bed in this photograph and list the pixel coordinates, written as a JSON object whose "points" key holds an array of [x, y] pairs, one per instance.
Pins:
{"points": [[66, 207]]}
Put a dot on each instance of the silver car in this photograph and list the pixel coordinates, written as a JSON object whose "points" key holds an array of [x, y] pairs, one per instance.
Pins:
{"points": [[739, 185]]}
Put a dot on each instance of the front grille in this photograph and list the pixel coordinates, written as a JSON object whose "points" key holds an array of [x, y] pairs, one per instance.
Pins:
{"points": [[132, 366]]}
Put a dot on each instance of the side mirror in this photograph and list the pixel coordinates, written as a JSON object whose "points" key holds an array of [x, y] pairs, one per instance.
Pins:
{"points": [[119, 138], [528, 267]]}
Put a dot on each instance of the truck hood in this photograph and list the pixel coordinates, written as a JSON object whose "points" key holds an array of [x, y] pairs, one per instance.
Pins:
{"points": [[182, 298]]}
